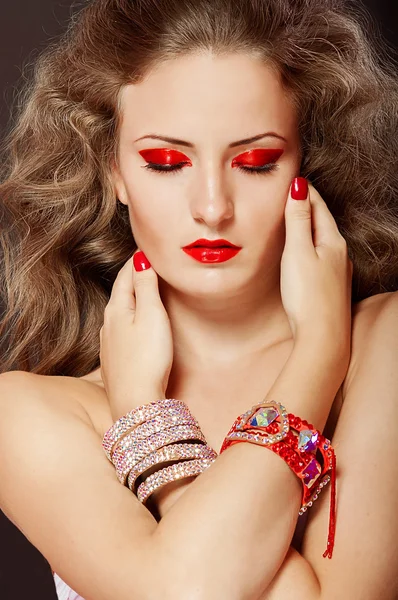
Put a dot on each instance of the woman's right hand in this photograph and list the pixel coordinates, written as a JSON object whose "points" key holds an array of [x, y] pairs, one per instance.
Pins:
{"points": [[136, 345]]}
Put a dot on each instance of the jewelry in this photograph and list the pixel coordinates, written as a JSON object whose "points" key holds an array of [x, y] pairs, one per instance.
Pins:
{"points": [[168, 453], [137, 416], [172, 473], [268, 424]]}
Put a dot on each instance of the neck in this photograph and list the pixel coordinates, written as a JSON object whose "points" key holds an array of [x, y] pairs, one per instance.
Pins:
{"points": [[224, 331]]}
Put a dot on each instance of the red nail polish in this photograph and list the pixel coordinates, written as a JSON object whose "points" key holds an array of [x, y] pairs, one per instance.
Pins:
{"points": [[140, 261], [299, 189]]}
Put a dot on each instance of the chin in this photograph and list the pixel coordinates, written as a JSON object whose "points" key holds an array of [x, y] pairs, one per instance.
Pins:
{"points": [[209, 282]]}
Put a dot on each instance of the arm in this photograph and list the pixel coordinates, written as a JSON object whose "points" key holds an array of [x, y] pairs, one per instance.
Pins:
{"points": [[366, 443], [238, 539], [44, 479], [364, 563], [364, 559]]}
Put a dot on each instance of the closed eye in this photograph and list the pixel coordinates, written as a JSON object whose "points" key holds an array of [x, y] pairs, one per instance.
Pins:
{"points": [[178, 166]]}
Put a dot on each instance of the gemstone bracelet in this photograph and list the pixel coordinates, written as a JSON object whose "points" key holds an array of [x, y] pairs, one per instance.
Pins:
{"points": [[268, 424]]}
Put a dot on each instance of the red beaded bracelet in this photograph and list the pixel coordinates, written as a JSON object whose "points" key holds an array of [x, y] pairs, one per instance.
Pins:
{"points": [[296, 441]]}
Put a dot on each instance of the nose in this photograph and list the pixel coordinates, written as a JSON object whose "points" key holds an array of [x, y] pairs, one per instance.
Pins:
{"points": [[212, 203]]}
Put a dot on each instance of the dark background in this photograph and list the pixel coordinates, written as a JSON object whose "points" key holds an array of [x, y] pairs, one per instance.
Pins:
{"points": [[26, 27]]}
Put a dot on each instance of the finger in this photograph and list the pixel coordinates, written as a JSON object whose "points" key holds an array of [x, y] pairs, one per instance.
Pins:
{"points": [[298, 218], [325, 230], [145, 283], [122, 295]]}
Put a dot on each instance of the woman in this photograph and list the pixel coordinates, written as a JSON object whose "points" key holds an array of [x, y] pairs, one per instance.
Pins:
{"points": [[189, 131]]}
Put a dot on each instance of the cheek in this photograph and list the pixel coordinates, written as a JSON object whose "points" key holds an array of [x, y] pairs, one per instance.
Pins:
{"points": [[264, 219], [144, 218], [266, 209], [150, 215]]}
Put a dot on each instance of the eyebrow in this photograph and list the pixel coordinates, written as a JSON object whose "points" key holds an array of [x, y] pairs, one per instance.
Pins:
{"points": [[233, 145]]}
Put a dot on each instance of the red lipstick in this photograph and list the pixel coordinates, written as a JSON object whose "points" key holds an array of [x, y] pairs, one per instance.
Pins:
{"points": [[211, 251]]}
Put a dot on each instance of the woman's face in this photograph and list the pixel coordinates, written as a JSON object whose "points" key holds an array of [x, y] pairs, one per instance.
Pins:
{"points": [[208, 105]]}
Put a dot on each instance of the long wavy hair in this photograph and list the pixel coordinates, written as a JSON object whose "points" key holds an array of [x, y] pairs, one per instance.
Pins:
{"points": [[64, 235]]}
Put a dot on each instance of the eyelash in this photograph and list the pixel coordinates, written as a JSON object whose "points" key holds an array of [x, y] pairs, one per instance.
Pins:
{"points": [[177, 167]]}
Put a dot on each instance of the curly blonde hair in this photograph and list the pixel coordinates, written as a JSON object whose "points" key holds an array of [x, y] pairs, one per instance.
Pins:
{"points": [[64, 236]]}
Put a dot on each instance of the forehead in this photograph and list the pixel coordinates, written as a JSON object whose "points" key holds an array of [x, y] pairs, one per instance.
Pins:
{"points": [[203, 92]]}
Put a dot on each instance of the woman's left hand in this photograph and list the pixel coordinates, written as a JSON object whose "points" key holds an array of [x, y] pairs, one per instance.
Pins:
{"points": [[316, 278]]}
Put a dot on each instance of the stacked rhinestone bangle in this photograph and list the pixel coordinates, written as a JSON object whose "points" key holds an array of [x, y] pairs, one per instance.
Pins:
{"points": [[169, 474], [151, 435], [146, 430], [129, 458], [137, 416], [169, 453]]}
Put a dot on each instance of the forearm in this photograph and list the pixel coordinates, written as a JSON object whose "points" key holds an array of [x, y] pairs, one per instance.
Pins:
{"points": [[232, 519]]}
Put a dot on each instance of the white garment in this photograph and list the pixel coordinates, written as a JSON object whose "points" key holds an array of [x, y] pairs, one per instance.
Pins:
{"points": [[64, 592]]}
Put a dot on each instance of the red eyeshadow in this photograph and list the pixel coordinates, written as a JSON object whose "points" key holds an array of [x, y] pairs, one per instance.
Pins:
{"points": [[258, 157], [164, 156]]}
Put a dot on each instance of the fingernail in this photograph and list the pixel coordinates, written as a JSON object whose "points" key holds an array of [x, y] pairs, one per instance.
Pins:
{"points": [[140, 261], [299, 188]]}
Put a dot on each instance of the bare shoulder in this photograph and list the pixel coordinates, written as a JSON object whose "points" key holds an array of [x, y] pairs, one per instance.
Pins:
{"points": [[55, 477], [374, 325], [66, 395], [21, 386], [370, 307]]}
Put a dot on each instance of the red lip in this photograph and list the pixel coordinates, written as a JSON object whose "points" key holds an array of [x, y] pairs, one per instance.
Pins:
{"points": [[203, 243], [211, 251], [212, 255]]}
